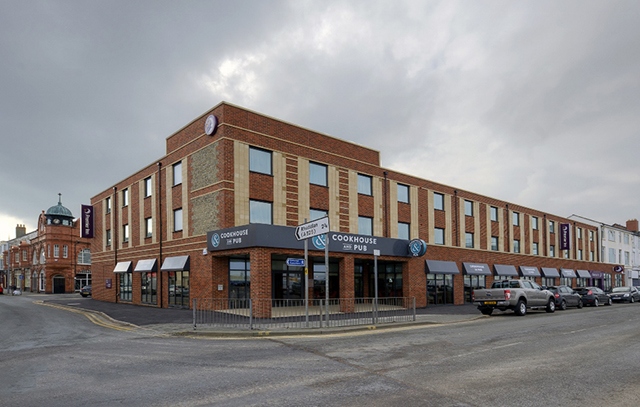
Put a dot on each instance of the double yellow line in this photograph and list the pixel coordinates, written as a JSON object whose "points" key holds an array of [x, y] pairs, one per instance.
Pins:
{"points": [[96, 317]]}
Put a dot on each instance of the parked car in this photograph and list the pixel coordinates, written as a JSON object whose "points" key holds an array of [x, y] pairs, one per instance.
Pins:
{"points": [[86, 291], [625, 294], [566, 297], [593, 296]]}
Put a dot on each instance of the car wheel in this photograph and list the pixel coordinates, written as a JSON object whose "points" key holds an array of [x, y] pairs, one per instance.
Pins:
{"points": [[596, 303], [551, 306], [632, 300], [486, 311], [521, 308], [580, 304], [563, 305], [609, 302]]}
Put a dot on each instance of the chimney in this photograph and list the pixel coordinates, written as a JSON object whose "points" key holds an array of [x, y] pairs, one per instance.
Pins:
{"points": [[21, 230], [632, 225]]}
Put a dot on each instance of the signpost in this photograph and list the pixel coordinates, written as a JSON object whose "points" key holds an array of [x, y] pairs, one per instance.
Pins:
{"points": [[313, 228]]}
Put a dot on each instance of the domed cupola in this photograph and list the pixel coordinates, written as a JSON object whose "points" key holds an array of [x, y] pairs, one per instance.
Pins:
{"points": [[59, 215]]}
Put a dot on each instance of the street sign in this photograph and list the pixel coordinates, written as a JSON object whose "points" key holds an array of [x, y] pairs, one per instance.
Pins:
{"points": [[313, 228], [295, 262]]}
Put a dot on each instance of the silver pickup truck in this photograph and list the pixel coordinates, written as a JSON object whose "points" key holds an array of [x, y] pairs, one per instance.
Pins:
{"points": [[516, 295]]}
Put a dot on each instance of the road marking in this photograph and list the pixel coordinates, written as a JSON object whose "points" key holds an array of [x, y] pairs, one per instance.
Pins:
{"points": [[489, 349], [97, 318]]}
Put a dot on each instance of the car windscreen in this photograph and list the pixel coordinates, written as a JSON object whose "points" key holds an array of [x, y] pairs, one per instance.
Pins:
{"points": [[621, 290]]}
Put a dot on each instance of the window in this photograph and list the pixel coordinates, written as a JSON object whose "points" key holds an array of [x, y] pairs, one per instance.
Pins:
{"points": [[56, 250], [316, 214], [579, 233], [591, 256], [438, 201], [626, 238], [260, 161], [107, 204], [403, 193], [494, 243], [364, 184], [535, 249], [177, 220], [552, 251], [612, 236], [534, 223], [516, 246], [494, 213], [65, 251], [84, 257], [468, 208], [566, 254], [125, 233], [125, 197], [147, 187], [468, 240], [24, 255], [439, 236], [365, 225], [516, 219], [148, 227], [591, 235], [403, 230], [260, 212], [318, 174], [552, 227], [612, 255], [626, 258], [108, 237], [579, 254], [177, 173]]}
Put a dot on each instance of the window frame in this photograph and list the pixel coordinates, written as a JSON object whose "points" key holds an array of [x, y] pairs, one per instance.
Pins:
{"points": [[365, 222], [125, 197], [318, 174], [403, 191], [493, 213], [515, 218], [407, 226], [177, 215], [438, 201], [468, 240], [148, 227], [468, 207], [255, 209], [177, 173], [365, 184], [148, 187], [259, 160], [439, 236]]}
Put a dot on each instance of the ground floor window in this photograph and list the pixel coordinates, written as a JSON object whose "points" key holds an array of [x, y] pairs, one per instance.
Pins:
{"points": [[239, 278], [566, 281], [606, 285], [149, 287], [320, 279], [82, 279], [124, 286], [179, 288], [530, 278], [549, 281], [390, 279], [471, 283], [582, 282], [618, 280], [498, 278], [42, 282], [439, 288]]}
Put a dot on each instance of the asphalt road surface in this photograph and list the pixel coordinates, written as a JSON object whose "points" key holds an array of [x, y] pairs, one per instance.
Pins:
{"points": [[590, 357]]}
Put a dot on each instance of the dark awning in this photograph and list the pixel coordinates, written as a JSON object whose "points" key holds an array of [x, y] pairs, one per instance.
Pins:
{"points": [[583, 273], [568, 273], [123, 267], [477, 269], [550, 272], [146, 265], [529, 271], [177, 263], [442, 267], [502, 270]]}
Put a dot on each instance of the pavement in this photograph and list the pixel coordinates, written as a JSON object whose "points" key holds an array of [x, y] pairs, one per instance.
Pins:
{"points": [[179, 322]]}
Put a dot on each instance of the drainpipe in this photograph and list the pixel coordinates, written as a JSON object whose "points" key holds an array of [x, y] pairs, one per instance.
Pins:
{"points": [[114, 232], [159, 273], [385, 225]]}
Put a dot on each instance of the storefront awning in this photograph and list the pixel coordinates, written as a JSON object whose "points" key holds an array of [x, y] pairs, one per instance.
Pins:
{"points": [[148, 265], [476, 269], [583, 273], [550, 272], [528, 271], [442, 267], [568, 273], [177, 263], [123, 267], [503, 270]]}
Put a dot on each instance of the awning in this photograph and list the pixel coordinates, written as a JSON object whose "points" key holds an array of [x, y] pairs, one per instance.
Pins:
{"points": [[442, 267], [550, 272], [177, 263], [123, 267], [476, 269], [502, 270], [146, 265], [528, 271], [583, 273], [568, 273]]}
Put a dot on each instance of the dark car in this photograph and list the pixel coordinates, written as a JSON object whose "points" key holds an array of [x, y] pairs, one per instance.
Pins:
{"points": [[593, 296], [85, 291], [565, 297], [625, 294]]}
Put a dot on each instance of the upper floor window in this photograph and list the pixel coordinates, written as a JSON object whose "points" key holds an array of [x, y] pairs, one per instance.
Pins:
{"points": [[56, 250], [84, 256], [403, 230], [260, 161], [147, 187], [591, 256], [552, 227], [148, 227], [317, 174], [612, 235], [438, 201], [177, 173], [591, 235], [552, 251], [516, 219], [403, 193], [107, 237], [579, 233], [626, 238], [535, 249], [516, 246], [494, 243], [316, 214], [534, 223], [579, 254], [177, 220], [65, 251], [468, 208], [125, 197], [260, 212], [493, 211], [125, 233], [438, 235], [365, 225], [24, 255], [468, 240], [364, 184], [107, 204]]}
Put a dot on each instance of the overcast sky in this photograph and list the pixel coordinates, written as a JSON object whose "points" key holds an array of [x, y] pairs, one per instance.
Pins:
{"points": [[532, 102]]}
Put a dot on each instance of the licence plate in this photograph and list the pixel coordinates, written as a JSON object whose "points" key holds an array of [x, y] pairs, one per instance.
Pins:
{"points": [[489, 303]]}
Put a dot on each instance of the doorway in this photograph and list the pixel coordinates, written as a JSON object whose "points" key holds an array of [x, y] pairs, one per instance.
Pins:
{"points": [[58, 284]]}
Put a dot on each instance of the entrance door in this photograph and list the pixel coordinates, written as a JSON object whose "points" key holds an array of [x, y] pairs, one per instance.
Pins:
{"points": [[58, 285]]}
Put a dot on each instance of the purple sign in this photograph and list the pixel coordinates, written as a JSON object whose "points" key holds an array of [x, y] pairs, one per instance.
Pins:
{"points": [[87, 221], [565, 242]]}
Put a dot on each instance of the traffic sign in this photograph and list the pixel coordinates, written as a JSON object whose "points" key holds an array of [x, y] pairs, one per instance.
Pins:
{"points": [[295, 262], [313, 228]]}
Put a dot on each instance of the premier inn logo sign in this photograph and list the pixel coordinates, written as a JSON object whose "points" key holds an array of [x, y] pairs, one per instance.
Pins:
{"points": [[565, 238], [87, 221]]}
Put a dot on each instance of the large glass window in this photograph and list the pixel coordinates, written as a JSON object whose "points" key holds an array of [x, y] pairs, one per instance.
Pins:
{"points": [[318, 174], [403, 230], [124, 282], [440, 288], [177, 220], [260, 161], [403, 193], [177, 173], [179, 288], [471, 283], [239, 279], [438, 236], [364, 184], [438, 201], [365, 225], [149, 287], [260, 212]]}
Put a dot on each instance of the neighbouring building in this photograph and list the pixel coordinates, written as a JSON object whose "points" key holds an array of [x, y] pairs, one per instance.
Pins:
{"points": [[216, 217]]}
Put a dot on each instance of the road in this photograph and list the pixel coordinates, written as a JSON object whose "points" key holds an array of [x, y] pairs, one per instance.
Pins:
{"points": [[52, 357]]}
